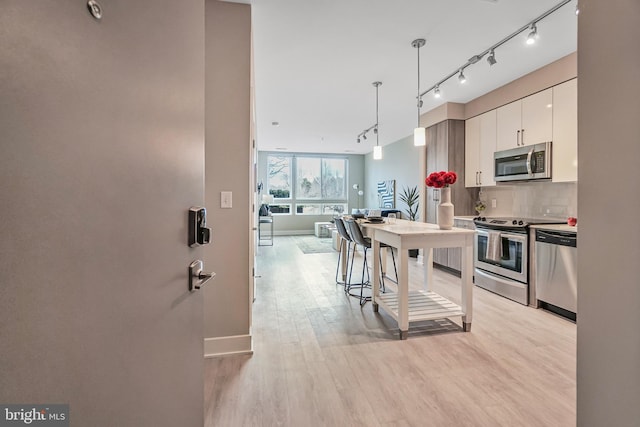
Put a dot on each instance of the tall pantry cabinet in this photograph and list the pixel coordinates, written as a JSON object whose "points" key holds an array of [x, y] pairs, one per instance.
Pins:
{"points": [[446, 152]]}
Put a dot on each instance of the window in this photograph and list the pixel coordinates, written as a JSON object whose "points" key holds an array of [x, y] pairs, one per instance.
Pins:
{"points": [[318, 186], [308, 178], [334, 208], [334, 185], [280, 209], [279, 176], [308, 209]]}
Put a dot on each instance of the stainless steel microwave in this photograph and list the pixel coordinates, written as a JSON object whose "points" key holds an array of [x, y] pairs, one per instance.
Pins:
{"points": [[523, 163]]}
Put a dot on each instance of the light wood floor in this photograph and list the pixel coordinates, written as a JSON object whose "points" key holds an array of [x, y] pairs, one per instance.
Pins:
{"points": [[322, 360]]}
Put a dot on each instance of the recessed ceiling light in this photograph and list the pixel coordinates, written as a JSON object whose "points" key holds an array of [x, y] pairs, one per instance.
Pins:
{"points": [[275, 123]]}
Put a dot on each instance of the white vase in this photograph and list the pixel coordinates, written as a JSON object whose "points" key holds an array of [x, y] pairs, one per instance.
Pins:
{"points": [[445, 209]]}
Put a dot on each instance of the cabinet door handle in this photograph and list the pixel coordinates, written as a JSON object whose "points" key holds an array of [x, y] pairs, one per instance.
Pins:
{"points": [[522, 137], [480, 175], [518, 138], [476, 177]]}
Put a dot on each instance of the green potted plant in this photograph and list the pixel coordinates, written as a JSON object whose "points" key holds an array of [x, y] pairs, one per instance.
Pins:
{"points": [[411, 198]]}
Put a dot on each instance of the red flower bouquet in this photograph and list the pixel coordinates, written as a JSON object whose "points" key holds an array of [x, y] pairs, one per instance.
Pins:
{"points": [[441, 179]]}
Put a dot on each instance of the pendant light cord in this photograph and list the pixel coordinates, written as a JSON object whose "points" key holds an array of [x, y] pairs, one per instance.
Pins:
{"points": [[418, 49], [377, 133]]}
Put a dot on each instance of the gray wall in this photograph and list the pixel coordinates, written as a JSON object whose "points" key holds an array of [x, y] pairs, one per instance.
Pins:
{"points": [[228, 162], [303, 224], [609, 202], [400, 161]]}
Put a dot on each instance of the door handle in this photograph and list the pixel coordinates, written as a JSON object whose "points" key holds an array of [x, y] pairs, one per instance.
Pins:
{"points": [[480, 178], [522, 137], [518, 138], [197, 277]]}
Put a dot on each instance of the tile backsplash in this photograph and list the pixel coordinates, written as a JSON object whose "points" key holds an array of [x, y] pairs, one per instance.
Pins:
{"points": [[532, 200]]}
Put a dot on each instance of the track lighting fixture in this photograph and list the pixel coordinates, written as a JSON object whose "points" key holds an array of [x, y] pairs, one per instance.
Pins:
{"points": [[358, 140], [491, 59], [364, 136], [533, 35], [461, 78], [419, 134]]}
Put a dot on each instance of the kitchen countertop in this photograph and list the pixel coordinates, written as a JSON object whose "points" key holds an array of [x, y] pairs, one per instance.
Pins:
{"points": [[556, 227], [465, 217]]}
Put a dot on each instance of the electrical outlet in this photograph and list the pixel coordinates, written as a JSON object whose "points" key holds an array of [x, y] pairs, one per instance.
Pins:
{"points": [[226, 199], [494, 203]]}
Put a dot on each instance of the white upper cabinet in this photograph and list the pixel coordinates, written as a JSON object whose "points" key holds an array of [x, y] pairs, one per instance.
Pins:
{"points": [[488, 130], [471, 151], [565, 132], [526, 121], [480, 144], [509, 125]]}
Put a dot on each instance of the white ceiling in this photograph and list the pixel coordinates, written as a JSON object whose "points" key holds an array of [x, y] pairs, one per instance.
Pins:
{"points": [[316, 60]]}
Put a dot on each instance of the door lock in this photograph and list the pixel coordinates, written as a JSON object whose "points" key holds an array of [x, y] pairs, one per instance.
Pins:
{"points": [[199, 234], [197, 277]]}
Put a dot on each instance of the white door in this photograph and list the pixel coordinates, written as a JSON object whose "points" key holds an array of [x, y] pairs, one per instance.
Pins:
{"points": [[101, 155]]}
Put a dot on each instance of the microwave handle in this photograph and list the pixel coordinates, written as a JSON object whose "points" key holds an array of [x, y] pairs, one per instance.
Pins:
{"points": [[529, 156]]}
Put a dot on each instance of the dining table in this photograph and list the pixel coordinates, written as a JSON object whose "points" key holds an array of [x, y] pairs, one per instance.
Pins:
{"points": [[409, 306]]}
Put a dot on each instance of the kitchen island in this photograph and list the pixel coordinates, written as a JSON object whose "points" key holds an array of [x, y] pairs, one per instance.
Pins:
{"points": [[405, 306]]}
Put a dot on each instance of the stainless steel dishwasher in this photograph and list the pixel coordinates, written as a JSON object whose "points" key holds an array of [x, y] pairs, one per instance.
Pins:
{"points": [[556, 272]]}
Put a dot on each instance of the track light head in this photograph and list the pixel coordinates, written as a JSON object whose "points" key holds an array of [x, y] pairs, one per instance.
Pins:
{"points": [[461, 77], [491, 59], [375, 130], [358, 140], [533, 35], [364, 136], [436, 92]]}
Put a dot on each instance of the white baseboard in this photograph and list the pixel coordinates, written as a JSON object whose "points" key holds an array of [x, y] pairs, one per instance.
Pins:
{"points": [[222, 346]]}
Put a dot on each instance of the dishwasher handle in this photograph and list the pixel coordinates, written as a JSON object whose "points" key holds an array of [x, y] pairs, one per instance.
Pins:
{"points": [[560, 238]]}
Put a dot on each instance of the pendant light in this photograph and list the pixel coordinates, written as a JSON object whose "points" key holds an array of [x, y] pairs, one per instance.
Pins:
{"points": [[419, 135], [377, 150]]}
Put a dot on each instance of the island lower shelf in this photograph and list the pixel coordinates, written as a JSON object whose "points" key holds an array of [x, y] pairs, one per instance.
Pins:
{"points": [[423, 305]]}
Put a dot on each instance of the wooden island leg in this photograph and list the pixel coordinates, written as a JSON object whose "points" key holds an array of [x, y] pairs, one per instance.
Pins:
{"points": [[467, 284], [403, 293]]}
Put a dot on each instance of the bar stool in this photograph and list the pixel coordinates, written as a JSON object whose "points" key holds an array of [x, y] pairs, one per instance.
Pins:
{"points": [[365, 242], [345, 242], [269, 239]]}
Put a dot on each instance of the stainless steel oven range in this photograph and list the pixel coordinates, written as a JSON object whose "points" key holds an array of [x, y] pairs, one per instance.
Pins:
{"points": [[502, 255]]}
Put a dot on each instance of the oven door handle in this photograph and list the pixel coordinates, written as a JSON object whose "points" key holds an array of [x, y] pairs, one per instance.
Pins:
{"points": [[512, 236]]}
